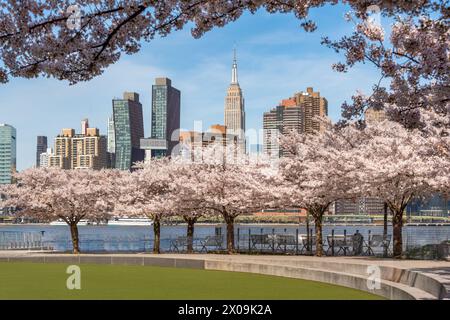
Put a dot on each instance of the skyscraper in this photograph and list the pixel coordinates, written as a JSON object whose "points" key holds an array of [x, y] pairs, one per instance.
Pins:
{"points": [[292, 114], [111, 136], [7, 153], [41, 147], [313, 105], [286, 117], [128, 130], [111, 144], [45, 158], [76, 151], [234, 107], [165, 115], [89, 150], [63, 147]]}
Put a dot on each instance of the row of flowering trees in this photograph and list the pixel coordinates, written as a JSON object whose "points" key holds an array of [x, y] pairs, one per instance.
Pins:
{"points": [[383, 160]]}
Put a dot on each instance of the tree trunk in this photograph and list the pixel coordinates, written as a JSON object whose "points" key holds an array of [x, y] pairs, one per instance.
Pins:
{"points": [[385, 229], [190, 233], [308, 240], [230, 234], [397, 223], [318, 229], [157, 234], [75, 238]]}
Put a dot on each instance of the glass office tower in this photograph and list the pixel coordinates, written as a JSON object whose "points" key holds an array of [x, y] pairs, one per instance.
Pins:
{"points": [[128, 130], [41, 147], [7, 153], [165, 115]]}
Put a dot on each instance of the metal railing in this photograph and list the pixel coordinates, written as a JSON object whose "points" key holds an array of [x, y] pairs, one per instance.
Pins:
{"points": [[17, 240], [425, 242]]}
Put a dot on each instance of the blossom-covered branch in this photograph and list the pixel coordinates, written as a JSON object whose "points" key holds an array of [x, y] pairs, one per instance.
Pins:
{"points": [[40, 37]]}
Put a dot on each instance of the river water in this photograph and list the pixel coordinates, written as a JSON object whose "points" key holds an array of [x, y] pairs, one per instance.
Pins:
{"points": [[140, 238]]}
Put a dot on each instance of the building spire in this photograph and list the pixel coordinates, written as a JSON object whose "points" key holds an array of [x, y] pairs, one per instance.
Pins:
{"points": [[234, 74]]}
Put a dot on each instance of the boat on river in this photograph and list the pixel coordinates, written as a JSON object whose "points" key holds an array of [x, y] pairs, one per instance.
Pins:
{"points": [[130, 222], [61, 222]]}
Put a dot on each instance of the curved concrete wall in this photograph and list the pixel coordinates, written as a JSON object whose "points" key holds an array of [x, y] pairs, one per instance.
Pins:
{"points": [[337, 278], [409, 278], [395, 283]]}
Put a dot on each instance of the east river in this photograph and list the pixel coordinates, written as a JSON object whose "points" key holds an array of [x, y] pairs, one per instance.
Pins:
{"points": [[140, 238]]}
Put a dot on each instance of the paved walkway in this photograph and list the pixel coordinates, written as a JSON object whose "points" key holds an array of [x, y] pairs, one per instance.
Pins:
{"points": [[401, 279]]}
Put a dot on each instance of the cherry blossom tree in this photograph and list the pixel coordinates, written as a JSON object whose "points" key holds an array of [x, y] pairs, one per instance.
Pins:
{"points": [[49, 194], [413, 61], [188, 195], [382, 159], [402, 164], [145, 192], [77, 40], [320, 168], [232, 184]]}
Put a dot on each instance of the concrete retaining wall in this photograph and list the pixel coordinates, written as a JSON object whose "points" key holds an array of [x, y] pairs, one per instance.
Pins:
{"points": [[409, 278], [336, 278], [396, 283]]}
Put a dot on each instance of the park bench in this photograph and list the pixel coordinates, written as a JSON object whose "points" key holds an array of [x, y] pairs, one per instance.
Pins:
{"points": [[343, 243], [215, 242], [285, 241], [377, 241], [264, 241], [303, 241], [178, 244]]}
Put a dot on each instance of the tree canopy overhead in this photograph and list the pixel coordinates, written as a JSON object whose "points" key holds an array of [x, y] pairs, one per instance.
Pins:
{"points": [[77, 40]]}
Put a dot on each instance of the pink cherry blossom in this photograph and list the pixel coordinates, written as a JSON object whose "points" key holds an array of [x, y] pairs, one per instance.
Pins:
{"points": [[49, 194]]}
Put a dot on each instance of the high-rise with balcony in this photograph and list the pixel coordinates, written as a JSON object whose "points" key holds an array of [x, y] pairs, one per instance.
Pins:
{"points": [[78, 151], [284, 118], [44, 158], [7, 153], [41, 147], [234, 108], [313, 105], [128, 130], [111, 143], [62, 151], [111, 136], [165, 115], [293, 114]]}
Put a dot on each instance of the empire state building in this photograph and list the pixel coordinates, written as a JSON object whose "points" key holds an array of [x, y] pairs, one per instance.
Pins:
{"points": [[234, 108]]}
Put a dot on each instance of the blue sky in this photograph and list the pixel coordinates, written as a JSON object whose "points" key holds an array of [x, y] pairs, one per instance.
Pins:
{"points": [[276, 58]]}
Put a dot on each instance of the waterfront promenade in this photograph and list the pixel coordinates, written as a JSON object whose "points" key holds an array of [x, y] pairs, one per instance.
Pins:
{"points": [[399, 279]]}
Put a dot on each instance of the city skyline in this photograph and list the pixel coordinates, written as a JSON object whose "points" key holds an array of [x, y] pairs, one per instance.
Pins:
{"points": [[274, 61]]}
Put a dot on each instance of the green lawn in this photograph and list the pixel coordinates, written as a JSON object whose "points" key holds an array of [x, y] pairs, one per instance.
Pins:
{"points": [[48, 281]]}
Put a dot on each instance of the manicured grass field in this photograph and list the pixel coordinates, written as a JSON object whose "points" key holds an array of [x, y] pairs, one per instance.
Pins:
{"points": [[48, 281]]}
